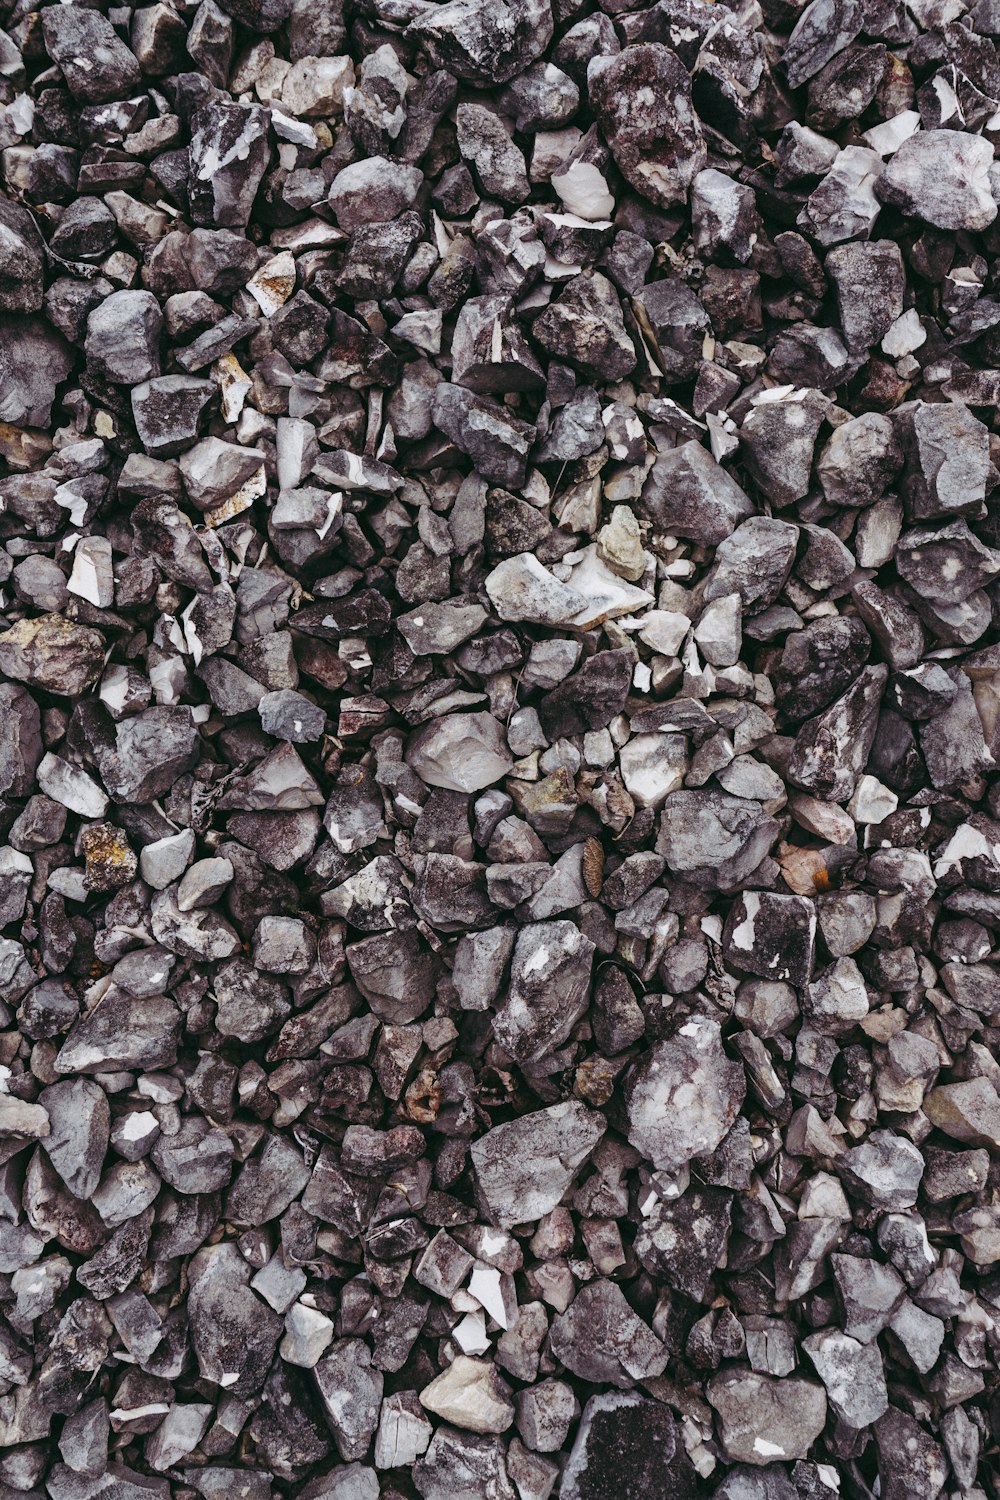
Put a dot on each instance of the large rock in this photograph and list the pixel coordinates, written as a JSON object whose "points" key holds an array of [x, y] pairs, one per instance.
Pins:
{"points": [[34, 361], [600, 1339], [149, 753], [484, 42], [228, 156], [233, 1332], [20, 740], [122, 1032], [548, 991], [628, 1448], [51, 653], [942, 177], [461, 752], [713, 840], [22, 259], [763, 1420], [688, 494], [831, 751], [94, 61], [642, 102], [524, 1167], [683, 1096]]}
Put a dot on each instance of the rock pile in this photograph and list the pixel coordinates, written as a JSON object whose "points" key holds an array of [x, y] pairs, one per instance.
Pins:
{"points": [[499, 732]]}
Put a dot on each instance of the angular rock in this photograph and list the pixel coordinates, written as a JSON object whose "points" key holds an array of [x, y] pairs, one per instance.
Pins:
{"points": [[642, 101], [684, 1096], [523, 1168], [764, 1420], [548, 991]]}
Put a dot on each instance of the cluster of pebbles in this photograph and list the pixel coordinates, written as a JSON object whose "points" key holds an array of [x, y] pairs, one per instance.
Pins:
{"points": [[499, 729]]}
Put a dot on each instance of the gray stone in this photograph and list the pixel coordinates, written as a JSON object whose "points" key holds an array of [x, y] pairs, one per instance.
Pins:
{"points": [[852, 1374], [683, 1097], [79, 1130], [524, 1167], [689, 494], [234, 1333], [548, 991], [764, 1420], [712, 840], [600, 1339]]}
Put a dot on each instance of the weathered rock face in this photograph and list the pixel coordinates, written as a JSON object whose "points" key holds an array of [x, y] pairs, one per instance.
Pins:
{"points": [[499, 736], [642, 100], [549, 989], [51, 653], [233, 1331], [629, 1447], [683, 1098], [523, 1168], [711, 839], [764, 1420]]}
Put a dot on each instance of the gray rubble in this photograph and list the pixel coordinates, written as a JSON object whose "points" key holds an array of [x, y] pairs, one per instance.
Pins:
{"points": [[499, 825]]}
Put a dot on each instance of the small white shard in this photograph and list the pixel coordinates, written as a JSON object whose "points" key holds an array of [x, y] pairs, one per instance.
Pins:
{"points": [[905, 335], [886, 139], [274, 283], [745, 932], [487, 1286], [470, 1333], [92, 578], [584, 192]]}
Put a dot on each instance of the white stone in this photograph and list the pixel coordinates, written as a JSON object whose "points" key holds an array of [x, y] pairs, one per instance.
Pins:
{"points": [[314, 87], [598, 749], [470, 1333], [718, 632], [905, 334], [71, 787], [495, 1292], [825, 819], [274, 283], [297, 132], [653, 766], [463, 753], [234, 385], [69, 883], [92, 578], [665, 630], [520, 588], [180, 1432], [471, 1395], [887, 138], [583, 191], [606, 595], [308, 1335], [965, 843], [872, 802]]}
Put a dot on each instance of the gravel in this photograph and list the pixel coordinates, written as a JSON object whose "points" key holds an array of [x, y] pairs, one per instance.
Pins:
{"points": [[499, 729]]}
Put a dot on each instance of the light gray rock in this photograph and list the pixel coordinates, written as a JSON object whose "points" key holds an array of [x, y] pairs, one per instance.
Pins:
{"points": [[461, 752], [852, 1374], [683, 1097], [524, 1167], [764, 1420], [548, 991], [79, 1130]]}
